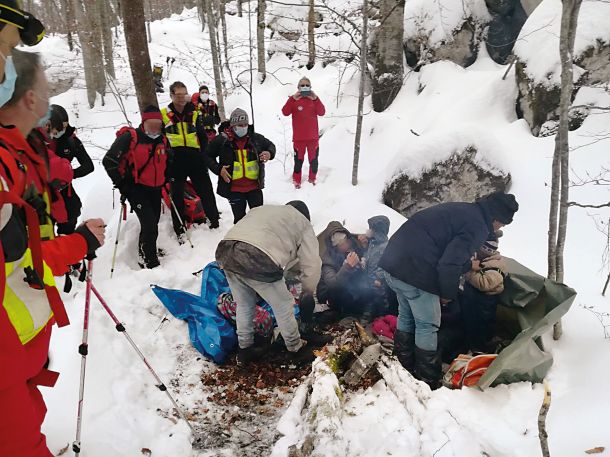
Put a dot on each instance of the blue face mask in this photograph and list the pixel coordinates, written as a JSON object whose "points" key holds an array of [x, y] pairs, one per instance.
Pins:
{"points": [[42, 122], [305, 90], [7, 88], [240, 131]]}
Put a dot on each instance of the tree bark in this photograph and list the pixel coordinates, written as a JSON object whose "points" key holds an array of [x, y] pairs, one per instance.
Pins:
{"points": [[311, 40], [240, 10], [363, 50], [569, 21], [137, 50], [260, 40], [215, 58], [106, 32], [388, 64]]}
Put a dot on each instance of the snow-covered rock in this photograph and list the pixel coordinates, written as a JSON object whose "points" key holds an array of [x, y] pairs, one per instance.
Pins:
{"points": [[538, 69], [459, 178]]}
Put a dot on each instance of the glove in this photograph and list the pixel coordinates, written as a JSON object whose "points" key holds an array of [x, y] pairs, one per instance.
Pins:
{"points": [[125, 187], [94, 240]]}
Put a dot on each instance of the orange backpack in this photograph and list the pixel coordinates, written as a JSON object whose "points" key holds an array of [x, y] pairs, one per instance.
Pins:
{"points": [[466, 370]]}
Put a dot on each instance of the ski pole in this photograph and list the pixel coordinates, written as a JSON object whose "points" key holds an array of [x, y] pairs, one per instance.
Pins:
{"points": [[161, 386], [83, 350], [122, 216], [188, 237]]}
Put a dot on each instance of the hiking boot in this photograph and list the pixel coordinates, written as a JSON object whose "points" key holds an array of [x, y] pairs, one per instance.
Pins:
{"points": [[214, 224], [428, 367], [150, 264], [312, 336], [250, 354], [303, 356], [312, 181], [404, 349], [296, 180]]}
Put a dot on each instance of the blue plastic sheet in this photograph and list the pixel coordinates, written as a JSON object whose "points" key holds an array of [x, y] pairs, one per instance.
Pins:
{"points": [[210, 332]]}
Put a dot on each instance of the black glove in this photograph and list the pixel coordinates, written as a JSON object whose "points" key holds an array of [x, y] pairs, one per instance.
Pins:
{"points": [[90, 238], [125, 187]]}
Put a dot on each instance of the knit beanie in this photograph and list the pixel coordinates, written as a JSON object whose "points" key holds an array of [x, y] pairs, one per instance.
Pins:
{"points": [[301, 207], [500, 206], [151, 112], [204, 87], [489, 248], [379, 224], [238, 116]]}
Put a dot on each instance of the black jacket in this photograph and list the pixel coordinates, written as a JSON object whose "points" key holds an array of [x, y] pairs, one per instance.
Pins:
{"points": [[68, 146], [221, 152], [434, 247]]}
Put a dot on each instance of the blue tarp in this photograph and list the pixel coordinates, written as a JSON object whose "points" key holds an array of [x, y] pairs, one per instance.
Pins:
{"points": [[210, 332]]}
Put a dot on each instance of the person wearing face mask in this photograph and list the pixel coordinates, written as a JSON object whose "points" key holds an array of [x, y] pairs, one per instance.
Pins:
{"points": [[31, 256], [64, 143], [208, 111], [304, 107], [188, 140], [138, 165], [238, 156], [16, 26]]}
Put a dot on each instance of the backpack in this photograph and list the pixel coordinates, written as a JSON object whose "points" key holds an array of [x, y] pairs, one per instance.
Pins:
{"points": [[145, 172], [193, 208], [466, 370]]}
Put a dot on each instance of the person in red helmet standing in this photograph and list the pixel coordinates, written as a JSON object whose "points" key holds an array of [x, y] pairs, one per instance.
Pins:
{"points": [[304, 107]]}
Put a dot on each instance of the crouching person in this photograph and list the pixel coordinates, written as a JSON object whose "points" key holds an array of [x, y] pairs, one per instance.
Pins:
{"points": [[254, 255], [479, 300], [137, 163], [424, 261]]}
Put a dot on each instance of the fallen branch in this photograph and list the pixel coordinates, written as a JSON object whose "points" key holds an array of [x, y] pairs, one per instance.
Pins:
{"points": [[580, 205], [544, 409]]}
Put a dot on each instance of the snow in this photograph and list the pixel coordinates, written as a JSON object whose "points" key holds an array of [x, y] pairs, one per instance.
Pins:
{"points": [[434, 22], [450, 108], [538, 42]]}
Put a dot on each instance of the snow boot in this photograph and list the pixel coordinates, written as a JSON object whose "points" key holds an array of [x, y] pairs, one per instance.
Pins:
{"points": [[296, 180], [214, 224], [303, 356], [404, 350], [428, 367], [313, 337], [250, 354]]}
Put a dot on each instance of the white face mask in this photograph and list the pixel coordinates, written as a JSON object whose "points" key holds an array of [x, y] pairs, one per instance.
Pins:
{"points": [[7, 87], [58, 134], [204, 97], [153, 136]]}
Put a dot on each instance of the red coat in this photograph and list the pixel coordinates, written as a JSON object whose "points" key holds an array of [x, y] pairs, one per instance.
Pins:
{"points": [[305, 112]]}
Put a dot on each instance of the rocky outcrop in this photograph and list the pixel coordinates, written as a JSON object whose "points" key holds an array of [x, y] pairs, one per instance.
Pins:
{"points": [[459, 178]]}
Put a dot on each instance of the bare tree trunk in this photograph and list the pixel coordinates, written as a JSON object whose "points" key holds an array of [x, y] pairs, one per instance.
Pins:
{"points": [[365, 8], [201, 13], [311, 27], [389, 70], [260, 40], [240, 10], [68, 13], [215, 58], [569, 21], [89, 36], [106, 32], [225, 40], [553, 213], [137, 49]]}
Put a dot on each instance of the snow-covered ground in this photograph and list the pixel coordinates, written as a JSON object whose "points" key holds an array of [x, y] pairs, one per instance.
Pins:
{"points": [[450, 107]]}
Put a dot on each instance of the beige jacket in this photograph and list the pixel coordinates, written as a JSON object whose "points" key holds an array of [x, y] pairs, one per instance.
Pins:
{"points": [[489, 279], [286, 236]]}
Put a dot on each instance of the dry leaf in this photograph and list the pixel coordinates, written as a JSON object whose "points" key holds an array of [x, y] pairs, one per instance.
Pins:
{"points": [[63, 450], [146, 451], [596, 450]]}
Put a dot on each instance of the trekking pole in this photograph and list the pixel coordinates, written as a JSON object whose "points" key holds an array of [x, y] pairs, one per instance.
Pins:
{"points": [[161, 386], [122, 216], [188, 237], [83, 350]]}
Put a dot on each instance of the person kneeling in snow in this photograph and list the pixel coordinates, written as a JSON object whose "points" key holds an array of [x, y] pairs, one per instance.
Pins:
{"points": [[254, 255], [138, 163], [479, 300]]}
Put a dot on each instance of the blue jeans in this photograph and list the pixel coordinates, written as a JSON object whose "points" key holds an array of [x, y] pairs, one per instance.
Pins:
{"points": [[419, 312]]}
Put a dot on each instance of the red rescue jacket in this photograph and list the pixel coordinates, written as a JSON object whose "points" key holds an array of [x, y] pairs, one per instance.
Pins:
{"points": [[305, 112]]}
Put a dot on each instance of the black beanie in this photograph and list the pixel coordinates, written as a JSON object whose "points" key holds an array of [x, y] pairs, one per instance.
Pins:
{"points": [[203, 87], [500, 206], [301, 207]]}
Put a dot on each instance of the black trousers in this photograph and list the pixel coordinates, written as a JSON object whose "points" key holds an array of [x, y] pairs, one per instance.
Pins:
{"points": [[146, 203], [478, 311], [191, 165], [239, 200]]}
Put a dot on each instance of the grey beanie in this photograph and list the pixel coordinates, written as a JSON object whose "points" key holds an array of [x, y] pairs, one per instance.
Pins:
{"points": [[238, 116]]}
